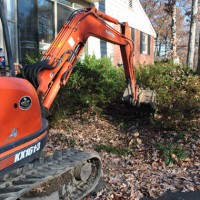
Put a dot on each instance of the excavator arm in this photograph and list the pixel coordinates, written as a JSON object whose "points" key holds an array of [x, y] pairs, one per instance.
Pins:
{"points": [[58, 62]]}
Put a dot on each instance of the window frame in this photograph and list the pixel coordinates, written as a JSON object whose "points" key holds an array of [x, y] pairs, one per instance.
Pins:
{"points": [[145, 40], [145, 43]]}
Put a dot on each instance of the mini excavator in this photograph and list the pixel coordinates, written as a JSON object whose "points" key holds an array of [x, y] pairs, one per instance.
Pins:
{"points": [[24, 106]]}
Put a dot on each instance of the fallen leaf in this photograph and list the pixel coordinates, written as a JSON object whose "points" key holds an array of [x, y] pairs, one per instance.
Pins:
{"points": [[139, 141], [136, 134]]}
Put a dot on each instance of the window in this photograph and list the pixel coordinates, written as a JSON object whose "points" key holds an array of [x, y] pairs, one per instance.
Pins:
{"points": [[39, 21], [144, 43], [10, 10], [65, 2], [28, 28], [63, 14], [45, 21], [130, 3], [12, 25]]}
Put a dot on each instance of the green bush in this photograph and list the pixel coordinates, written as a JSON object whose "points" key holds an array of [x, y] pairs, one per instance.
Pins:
{"points": [[93, 84], [178, 92], [33, 58]]}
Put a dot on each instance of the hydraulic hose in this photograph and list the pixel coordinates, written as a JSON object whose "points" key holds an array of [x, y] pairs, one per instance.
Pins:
{"points": [[7, 39]]}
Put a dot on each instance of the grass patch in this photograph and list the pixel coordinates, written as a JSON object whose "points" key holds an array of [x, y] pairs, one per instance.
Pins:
{"points": [[113, 149], [172, 153]]}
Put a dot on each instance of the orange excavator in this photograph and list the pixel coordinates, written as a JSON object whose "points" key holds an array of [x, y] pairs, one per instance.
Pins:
{"points": [[25, 104]]}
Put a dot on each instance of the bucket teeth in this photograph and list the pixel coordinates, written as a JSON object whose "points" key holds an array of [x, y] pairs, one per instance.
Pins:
{"points": [[145, 98], [128, 96]]}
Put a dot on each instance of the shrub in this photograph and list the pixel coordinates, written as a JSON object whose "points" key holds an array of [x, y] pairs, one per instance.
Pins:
{"points": [[178, 91], [93, 84]]}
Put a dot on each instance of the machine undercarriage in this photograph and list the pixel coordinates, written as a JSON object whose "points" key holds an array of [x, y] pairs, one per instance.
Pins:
{"points": [[70, 174]]}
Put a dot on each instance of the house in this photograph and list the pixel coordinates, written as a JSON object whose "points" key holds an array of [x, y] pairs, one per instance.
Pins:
{"points": [[143, 33], [34, 24]]}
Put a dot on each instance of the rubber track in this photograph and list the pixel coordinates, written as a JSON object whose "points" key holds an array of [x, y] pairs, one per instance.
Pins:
{"points": [[47, 169]]}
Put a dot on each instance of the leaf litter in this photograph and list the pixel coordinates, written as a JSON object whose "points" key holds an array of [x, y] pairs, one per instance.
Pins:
{"points": [[141, 171]]}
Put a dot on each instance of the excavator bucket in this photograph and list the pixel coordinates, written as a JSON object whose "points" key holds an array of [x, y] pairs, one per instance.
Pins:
{"points": [[146, 99]]}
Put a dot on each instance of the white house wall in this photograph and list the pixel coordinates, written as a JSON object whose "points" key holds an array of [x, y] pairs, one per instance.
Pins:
{"points": [[94, 47], [1, 36], [135, 16], [119, 9], [2, 43]]}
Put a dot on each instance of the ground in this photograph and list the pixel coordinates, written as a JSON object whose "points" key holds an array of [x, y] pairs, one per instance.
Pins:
{"points": [[139, 160]]}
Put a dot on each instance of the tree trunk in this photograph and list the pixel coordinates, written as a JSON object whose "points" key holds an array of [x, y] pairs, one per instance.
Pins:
{"points": [[159, 49], [156, 47], [174, 31], [191, 45], [166, 43], [174, 36], [198, 65]]}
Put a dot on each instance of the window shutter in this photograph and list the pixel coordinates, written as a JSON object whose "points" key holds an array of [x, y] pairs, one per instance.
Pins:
{"points": [[141, 42], [149, 44], [130, 3], [132, 33]]}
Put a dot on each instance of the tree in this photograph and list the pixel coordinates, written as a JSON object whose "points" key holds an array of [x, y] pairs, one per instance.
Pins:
{"points": [[160, 21], [172, 28], [191, 45]]}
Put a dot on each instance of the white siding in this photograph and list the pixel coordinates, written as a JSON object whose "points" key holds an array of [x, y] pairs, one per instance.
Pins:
{"points": [[2, 42], [94, 47], [94, 43], [1, 38], [136, 17], [119, 9], [110, 50]]}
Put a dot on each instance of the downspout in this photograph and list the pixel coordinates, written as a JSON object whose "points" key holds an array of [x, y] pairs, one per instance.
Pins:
{"points": [[7, 39]]}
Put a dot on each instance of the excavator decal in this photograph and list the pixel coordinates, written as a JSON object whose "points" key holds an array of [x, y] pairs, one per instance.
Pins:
{"points": [[27, 152], [109, 33], [25, 103]]}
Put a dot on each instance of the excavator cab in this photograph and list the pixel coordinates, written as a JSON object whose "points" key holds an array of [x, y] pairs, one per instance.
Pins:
{"points": [[23, 131]]}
